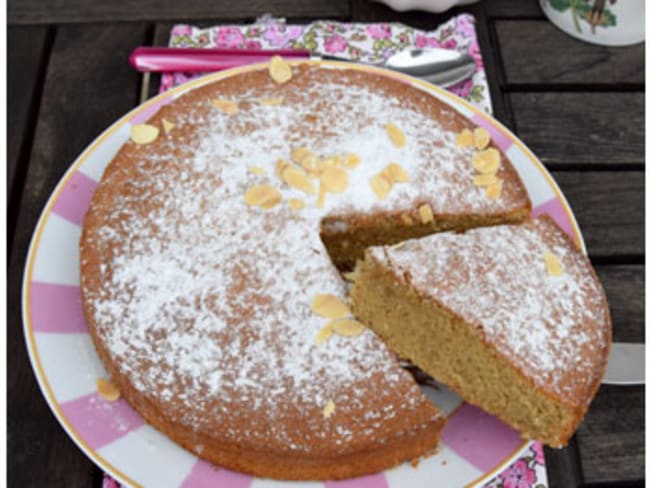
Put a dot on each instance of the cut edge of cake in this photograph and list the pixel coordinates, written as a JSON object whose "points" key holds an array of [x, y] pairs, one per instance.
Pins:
{"points": [[411, 325]]}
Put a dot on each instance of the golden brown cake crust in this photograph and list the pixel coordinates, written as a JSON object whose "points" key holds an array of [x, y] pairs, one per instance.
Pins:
{"points": [[199, 304]]}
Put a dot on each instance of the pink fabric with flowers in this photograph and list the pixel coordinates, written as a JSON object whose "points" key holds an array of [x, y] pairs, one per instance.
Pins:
{"points": [[371, 43], [368, 43]]}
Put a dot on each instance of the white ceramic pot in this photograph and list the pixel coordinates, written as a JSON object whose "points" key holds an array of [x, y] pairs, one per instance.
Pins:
{"points": [[426, 5], [606, 22]]}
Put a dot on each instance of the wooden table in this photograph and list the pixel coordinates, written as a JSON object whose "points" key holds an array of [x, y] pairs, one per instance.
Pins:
{"points": [[579, 107]]}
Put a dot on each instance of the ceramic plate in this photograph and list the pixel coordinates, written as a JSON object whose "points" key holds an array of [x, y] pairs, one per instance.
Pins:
{"points": [[475, 446]]}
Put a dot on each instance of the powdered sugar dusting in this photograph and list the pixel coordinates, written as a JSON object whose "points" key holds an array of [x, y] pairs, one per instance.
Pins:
{"points": [[556, 329], [203, 302]]}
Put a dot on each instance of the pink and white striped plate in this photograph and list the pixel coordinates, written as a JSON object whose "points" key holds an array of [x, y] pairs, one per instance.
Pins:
{"points": [[475, 446]]}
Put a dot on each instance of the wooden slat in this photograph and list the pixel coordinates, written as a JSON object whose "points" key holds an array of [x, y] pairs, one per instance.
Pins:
{"points": [[582, 128], [36, 11], [625, 289], [563, 466], [88, 85], [26, 61], [609, 207], [160, 38], [25, 51], [611, 440], [514, 9], [564, 60]]}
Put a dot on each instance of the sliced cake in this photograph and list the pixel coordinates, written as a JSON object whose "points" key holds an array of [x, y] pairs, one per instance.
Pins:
{"points": [[209, 253], [511, 317]]}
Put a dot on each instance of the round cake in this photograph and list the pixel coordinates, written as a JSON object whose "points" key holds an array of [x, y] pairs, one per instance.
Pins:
{"points": [[212, 251]]}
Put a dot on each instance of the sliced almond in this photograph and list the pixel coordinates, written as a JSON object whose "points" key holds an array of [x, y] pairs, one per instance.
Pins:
{"points": [[144, 133], [320, 202], [481, 138], [396, 135], [351, 161], [265, 196], [426, 214], [299, 154], [348, 327], [226, 106], [465, 138], [329, 306], [323, 335], [279, 70], [312, 164], [271, 101], [329, 408], [553, 264], [297, 178], [272, 202], [397, 173], [296, 203], [486, 179], [335, 180], [280, 166], [493, 191], [487, 161], [107, 390], [381, 185], [256, 170], [331, 162], [167, 126]]}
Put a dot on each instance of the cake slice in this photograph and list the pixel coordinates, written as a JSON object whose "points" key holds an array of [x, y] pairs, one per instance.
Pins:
{"points": [[511, 317]]}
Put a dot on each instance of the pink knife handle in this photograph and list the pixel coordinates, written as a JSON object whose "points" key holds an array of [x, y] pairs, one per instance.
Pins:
{"points": [[202, 60]]}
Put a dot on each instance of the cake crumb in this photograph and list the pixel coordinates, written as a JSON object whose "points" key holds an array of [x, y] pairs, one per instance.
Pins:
{"points": [[107, 390]]}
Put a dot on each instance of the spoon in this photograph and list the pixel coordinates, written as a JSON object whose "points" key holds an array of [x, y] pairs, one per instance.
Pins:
{"points": [[442, 67]]}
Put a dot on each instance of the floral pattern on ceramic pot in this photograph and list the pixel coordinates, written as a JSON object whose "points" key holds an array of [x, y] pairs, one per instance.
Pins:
{"points": [[595, 12]]}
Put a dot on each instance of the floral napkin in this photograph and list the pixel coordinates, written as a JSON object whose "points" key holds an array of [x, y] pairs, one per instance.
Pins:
{"points": [[358, 42], [370, 43]]}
